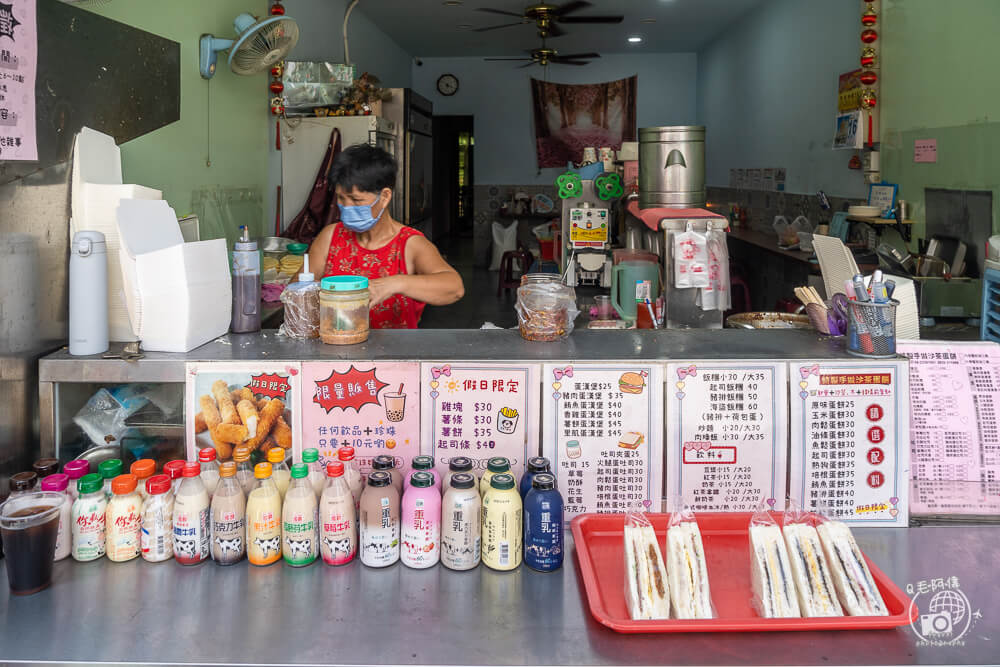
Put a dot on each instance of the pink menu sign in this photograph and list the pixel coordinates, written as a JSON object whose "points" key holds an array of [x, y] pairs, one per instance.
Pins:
{"points": [[18, 64]]}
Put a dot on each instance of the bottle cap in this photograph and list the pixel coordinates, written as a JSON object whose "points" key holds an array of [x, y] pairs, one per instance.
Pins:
{"points": [[207, 454], [227, 469], [498, 464], [421, 480], [158, 484], [192, 469], [310, 455], [90, 483], [460, 464], [276, 455], [298, 249], [45, 467], [345, 453], [383, 462], [463, 480], [543, 481], [335, 469], [343, 283], [423, 462], [23, 481], [262, 470], [124, 484], [502, 481], [174, 469], [55, 482], [241, 454], [379, 478], [77, 469], [110, 469], [143, 468], [300, 470], [538, 464]]}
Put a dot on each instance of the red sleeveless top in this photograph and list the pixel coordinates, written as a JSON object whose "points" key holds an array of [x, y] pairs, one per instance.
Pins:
{"points": [[347, 257]]}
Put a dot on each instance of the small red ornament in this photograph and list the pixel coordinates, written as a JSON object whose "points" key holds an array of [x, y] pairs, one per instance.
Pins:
{"points": [[868, 99], [277, 110], [276, 71], [854, 163], [277, 9], [867, 77], [868, 57], [868, 36], [869, 18], [276, 87]]}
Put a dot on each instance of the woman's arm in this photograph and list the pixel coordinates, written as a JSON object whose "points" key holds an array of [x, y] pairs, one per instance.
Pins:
{"points": [[319, 251], [433, 281]]}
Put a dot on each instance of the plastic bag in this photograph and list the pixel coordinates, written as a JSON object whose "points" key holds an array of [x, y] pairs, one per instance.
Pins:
{"points": [[546, 310], [690, 259], [103, 416], [687, 569], [646, 589], [774, 594], [717, 296], [504, 240], [856, 589], [301, 301], [810, 567]]}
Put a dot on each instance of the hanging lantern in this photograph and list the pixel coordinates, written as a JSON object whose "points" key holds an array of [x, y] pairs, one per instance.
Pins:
{"points": [[277, 71], [277, 9], [869, 18], [866, 77], [868, 36], [868, 57], [868, 99], [276, 87], [854, 163], [277, 108]]}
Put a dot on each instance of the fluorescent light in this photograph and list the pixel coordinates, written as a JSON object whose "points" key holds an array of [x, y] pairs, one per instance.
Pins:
{"points": [[647, 20], [635, 39]]}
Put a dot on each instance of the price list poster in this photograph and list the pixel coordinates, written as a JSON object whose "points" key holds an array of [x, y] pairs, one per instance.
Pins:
{"points": [[954, 427], [727, 435], [850, 453], [370, 406], [603, 434], [479, 410]]}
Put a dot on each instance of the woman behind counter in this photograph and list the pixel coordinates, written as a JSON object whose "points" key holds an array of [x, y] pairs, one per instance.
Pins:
{"points": [[404, 269]]}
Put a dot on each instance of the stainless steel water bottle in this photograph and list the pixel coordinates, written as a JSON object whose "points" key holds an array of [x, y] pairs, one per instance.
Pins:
{"points": [[88, 294]]}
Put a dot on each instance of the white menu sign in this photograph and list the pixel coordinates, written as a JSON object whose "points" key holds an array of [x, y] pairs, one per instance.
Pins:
{"points": [[603, 434], [850, 440], [727, 430]]}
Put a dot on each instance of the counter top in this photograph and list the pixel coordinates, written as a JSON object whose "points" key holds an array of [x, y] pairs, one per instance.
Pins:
{"points": [[165, 613], [455, 345]]}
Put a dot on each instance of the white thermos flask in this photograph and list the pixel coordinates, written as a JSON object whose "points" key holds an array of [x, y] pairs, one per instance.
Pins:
{"points": [[88, 294]]}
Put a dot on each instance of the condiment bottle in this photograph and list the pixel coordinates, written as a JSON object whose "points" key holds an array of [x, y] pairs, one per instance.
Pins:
{"points": [[143, 469], [543, 524], [75, 470], [317, 475], [89, 510], [45, 467], [244, 469], [22, 482], [175, 471], [379, 521], [536, 464], [58, 483], [502, 524], [343, 310], [191, 518], [420, 525], [337, 518], [246, 285], [301, 300], [108, 470], [300, 538], [423, 464], [156, 539], [123, 519], [209, 469], [228, 517], [496, 465], [386, 463], [263, 518], [456, 465], [280, 473], [461, 523], [355, 483]]}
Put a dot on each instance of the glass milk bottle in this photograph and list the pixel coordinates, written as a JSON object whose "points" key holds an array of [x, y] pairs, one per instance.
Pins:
{"points": [[175, 471], [461, 522], [420, 524], [280, 472], [123, 520], [263, 518], [317, 473], [337, 518], [58, 483], [191, 518], [300, 539], [209, 469], [89, 511], [502, 524], [229, 531], [157, 537], [379, 521], [351, 473], [244, 469]]}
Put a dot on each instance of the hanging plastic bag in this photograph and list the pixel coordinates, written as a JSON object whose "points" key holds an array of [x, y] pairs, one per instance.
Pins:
{"points": [[646, 588], [717, 296], [687, 569], [774, 594], [810, 567], [690, 259]]}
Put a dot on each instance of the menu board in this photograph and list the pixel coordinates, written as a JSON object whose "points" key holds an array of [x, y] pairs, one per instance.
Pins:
{"points": [[479, 410], [727, 435], [850, 454], [603, 433], [238, 403], [372, 407], [954, 425]]}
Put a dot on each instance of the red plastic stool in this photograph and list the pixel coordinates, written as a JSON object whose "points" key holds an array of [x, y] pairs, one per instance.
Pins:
{"points": [[505, 278]]}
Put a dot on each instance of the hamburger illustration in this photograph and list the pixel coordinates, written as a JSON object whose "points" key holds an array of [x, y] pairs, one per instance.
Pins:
{"points": [[631, 383]]}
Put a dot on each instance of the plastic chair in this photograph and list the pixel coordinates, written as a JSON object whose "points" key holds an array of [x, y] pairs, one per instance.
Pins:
{"points": [[505, 277]]}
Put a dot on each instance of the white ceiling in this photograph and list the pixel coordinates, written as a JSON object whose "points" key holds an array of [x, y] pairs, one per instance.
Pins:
{"points": [[429, 28]]}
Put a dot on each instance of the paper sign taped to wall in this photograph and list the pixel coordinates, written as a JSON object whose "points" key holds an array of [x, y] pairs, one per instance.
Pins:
{"points": [[18, 64], [925, 150]]}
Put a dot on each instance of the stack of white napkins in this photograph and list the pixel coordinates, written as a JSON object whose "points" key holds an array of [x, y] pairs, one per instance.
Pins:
{"points": [[96, 190]]}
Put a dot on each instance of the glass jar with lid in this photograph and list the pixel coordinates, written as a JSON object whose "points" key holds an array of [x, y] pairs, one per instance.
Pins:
{"points": [[343, 310]]}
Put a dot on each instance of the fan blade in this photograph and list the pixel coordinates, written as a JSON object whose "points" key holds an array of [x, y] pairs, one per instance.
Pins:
{"points": [[507, 58], [525, 65], [590, 19], [498, 11], [496, 27], [555, 31], [576, 56], [571, 7], [560, 61]]}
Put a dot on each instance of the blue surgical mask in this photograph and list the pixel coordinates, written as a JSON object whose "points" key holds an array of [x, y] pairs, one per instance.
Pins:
{"points": [[359, 218]]}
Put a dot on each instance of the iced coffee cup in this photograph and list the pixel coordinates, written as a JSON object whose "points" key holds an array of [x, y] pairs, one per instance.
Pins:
{"points": [[395, 407], [29, 525]]}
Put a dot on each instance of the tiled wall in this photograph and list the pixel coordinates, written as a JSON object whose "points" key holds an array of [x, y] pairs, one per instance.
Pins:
{"points": [[486, 209], [764, 206]]}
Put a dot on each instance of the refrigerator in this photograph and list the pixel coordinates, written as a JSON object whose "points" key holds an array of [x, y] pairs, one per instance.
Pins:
{"points": [[412, 115]]}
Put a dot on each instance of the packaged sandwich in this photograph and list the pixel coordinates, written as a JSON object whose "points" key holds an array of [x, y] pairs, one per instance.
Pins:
{"points": [[855, 585], [687, 569], [810, 567], [646, 590], [774, 593]]}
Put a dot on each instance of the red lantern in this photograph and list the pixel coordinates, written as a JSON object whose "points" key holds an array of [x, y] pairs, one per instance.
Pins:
{"points": [[867, 77], [868, 36], [277, 9], [276, 87], [868, 57], [854, 163], [868, 99], [276, 71], [277, 110], [869, 18]]}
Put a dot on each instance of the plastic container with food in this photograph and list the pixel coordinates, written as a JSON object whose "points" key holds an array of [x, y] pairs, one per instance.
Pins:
{"points": [[546, 308], [343, 310]]}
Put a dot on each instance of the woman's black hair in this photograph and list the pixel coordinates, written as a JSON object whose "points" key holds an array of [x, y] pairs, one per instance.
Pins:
{"points": [[367, 168]]}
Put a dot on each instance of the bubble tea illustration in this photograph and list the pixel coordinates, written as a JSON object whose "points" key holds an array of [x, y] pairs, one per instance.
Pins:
{"points": [[395, 405], [507, 420]]}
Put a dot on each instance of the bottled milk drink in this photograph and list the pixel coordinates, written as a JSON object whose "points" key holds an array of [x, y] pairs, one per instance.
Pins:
{"points": [[59, 483], [338, 537], [280, 472], [244, 469], [461, 521], [386, 463], [420, 523], [175, 471], [300, 538], [456, 465], [496, 465], [109, 470], [209, 469], [263, 518], [191, 518], [536, 464], [317, 473], [379, 521], [228, 518], [157, 537], [75, 470], [423, 464], [353, 476], [89, 511], [143, 469], [502, 527], [543, 524], [123, 519]]}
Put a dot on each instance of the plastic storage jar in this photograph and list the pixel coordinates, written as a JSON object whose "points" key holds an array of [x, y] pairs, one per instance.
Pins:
{"points": [[343, 310], [545, 307]]}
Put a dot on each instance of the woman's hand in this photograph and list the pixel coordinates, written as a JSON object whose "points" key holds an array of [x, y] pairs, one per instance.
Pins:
{"points": [[380, 289]]}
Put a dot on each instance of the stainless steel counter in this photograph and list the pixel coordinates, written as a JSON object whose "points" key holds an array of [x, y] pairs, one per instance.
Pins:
{"points": [[166, 613]]}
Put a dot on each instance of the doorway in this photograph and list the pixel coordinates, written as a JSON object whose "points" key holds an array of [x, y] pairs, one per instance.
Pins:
{"points": [[454, 145]]}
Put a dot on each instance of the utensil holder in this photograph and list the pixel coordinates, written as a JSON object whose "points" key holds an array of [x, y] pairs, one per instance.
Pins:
{"points": [[871, 329]]}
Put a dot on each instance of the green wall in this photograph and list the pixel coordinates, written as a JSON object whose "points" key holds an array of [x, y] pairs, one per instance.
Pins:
{"points": [[173, 158], [938, 82]]}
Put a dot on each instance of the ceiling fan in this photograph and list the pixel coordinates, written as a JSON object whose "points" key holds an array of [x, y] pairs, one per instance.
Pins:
{"points": [[545, 56], [547, 17]]}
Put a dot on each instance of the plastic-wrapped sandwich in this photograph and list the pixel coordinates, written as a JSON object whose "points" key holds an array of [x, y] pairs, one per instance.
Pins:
{"points": [[811, 571], [853, 580], [774, 593], [645, 576], [687, 569]]}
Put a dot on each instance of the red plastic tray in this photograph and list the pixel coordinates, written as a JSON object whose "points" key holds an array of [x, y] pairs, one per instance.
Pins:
{"points": [[599, 548]]}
